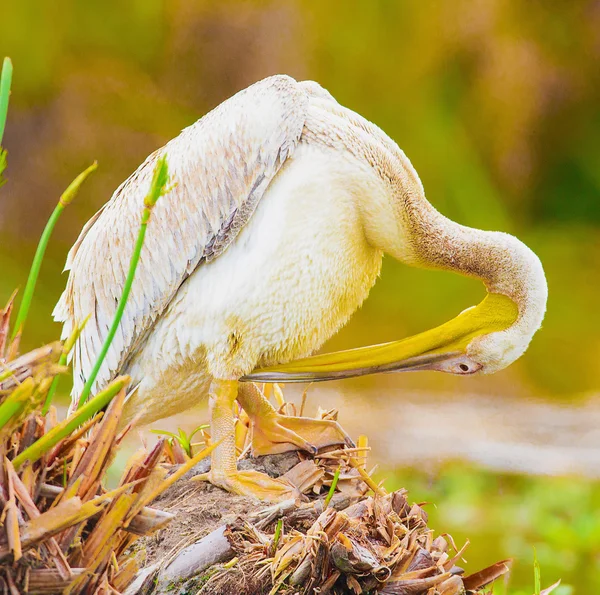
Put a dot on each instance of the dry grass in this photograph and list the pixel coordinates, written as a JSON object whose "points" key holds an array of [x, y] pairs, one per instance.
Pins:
{"points": [[338, 539], [356, 544], [63, 532]]}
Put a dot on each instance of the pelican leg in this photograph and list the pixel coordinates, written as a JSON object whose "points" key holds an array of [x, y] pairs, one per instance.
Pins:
{"points": [[274, 433], [223, 472]]}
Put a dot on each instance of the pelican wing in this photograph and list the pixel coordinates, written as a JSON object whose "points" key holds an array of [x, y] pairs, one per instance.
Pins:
{"points": [[219, 169]]}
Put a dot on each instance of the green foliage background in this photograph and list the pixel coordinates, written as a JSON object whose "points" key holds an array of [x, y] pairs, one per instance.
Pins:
{"points": [[496, 102]]}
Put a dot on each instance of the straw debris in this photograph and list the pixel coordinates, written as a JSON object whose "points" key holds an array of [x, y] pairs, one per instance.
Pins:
{"points": [[62, 531], [358, 539]]}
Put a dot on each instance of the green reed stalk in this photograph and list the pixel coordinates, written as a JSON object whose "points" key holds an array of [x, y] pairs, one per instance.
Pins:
{"points": [[66, 198], [157, 189], [62, 361], [334, 483], [5, 80]]}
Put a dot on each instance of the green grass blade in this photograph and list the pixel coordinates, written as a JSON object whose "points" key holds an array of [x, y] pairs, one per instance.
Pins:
{"points": [[277, 535], [5, 81], [157, 189], [334, 483], [34, 272], [15, 403], [537, 574], [201, 427], [6, 374], [68, 345], [3, 165], [63, 429]]}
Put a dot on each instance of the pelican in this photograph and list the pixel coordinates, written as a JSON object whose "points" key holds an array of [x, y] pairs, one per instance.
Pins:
{"points": [[282, 205]]}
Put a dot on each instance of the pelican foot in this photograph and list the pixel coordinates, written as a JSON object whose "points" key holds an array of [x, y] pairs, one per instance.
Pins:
{"points": [[252, 484], [274, 433]]}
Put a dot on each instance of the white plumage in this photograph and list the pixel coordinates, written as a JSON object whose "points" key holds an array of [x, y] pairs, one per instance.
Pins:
{"points": [[284, 202]]}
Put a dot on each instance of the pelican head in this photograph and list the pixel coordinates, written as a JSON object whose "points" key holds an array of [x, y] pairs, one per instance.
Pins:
{"points": [[485, 338]]}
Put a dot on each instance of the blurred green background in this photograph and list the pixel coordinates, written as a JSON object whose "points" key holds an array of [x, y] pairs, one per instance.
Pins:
{"points": [[496, 102]]}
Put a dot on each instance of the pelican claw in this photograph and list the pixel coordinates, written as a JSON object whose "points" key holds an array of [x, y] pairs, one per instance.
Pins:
{"points": [[276, 433]]}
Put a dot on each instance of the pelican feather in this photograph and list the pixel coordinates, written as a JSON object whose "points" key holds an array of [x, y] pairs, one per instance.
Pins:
{"points": [[220, 168]]}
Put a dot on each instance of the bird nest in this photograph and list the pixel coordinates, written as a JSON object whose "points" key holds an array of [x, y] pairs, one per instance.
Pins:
{"points": [[350, 538], [159, 531]]}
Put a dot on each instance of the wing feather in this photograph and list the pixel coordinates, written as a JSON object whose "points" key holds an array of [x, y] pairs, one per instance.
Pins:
{"points": [[220, 168]]}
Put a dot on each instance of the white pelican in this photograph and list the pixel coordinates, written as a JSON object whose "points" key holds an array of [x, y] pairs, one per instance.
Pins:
{"points": [[283, 204]]}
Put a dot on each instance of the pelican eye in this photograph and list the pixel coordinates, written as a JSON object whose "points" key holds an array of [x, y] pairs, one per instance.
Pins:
{"points": [[464, 367]]}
